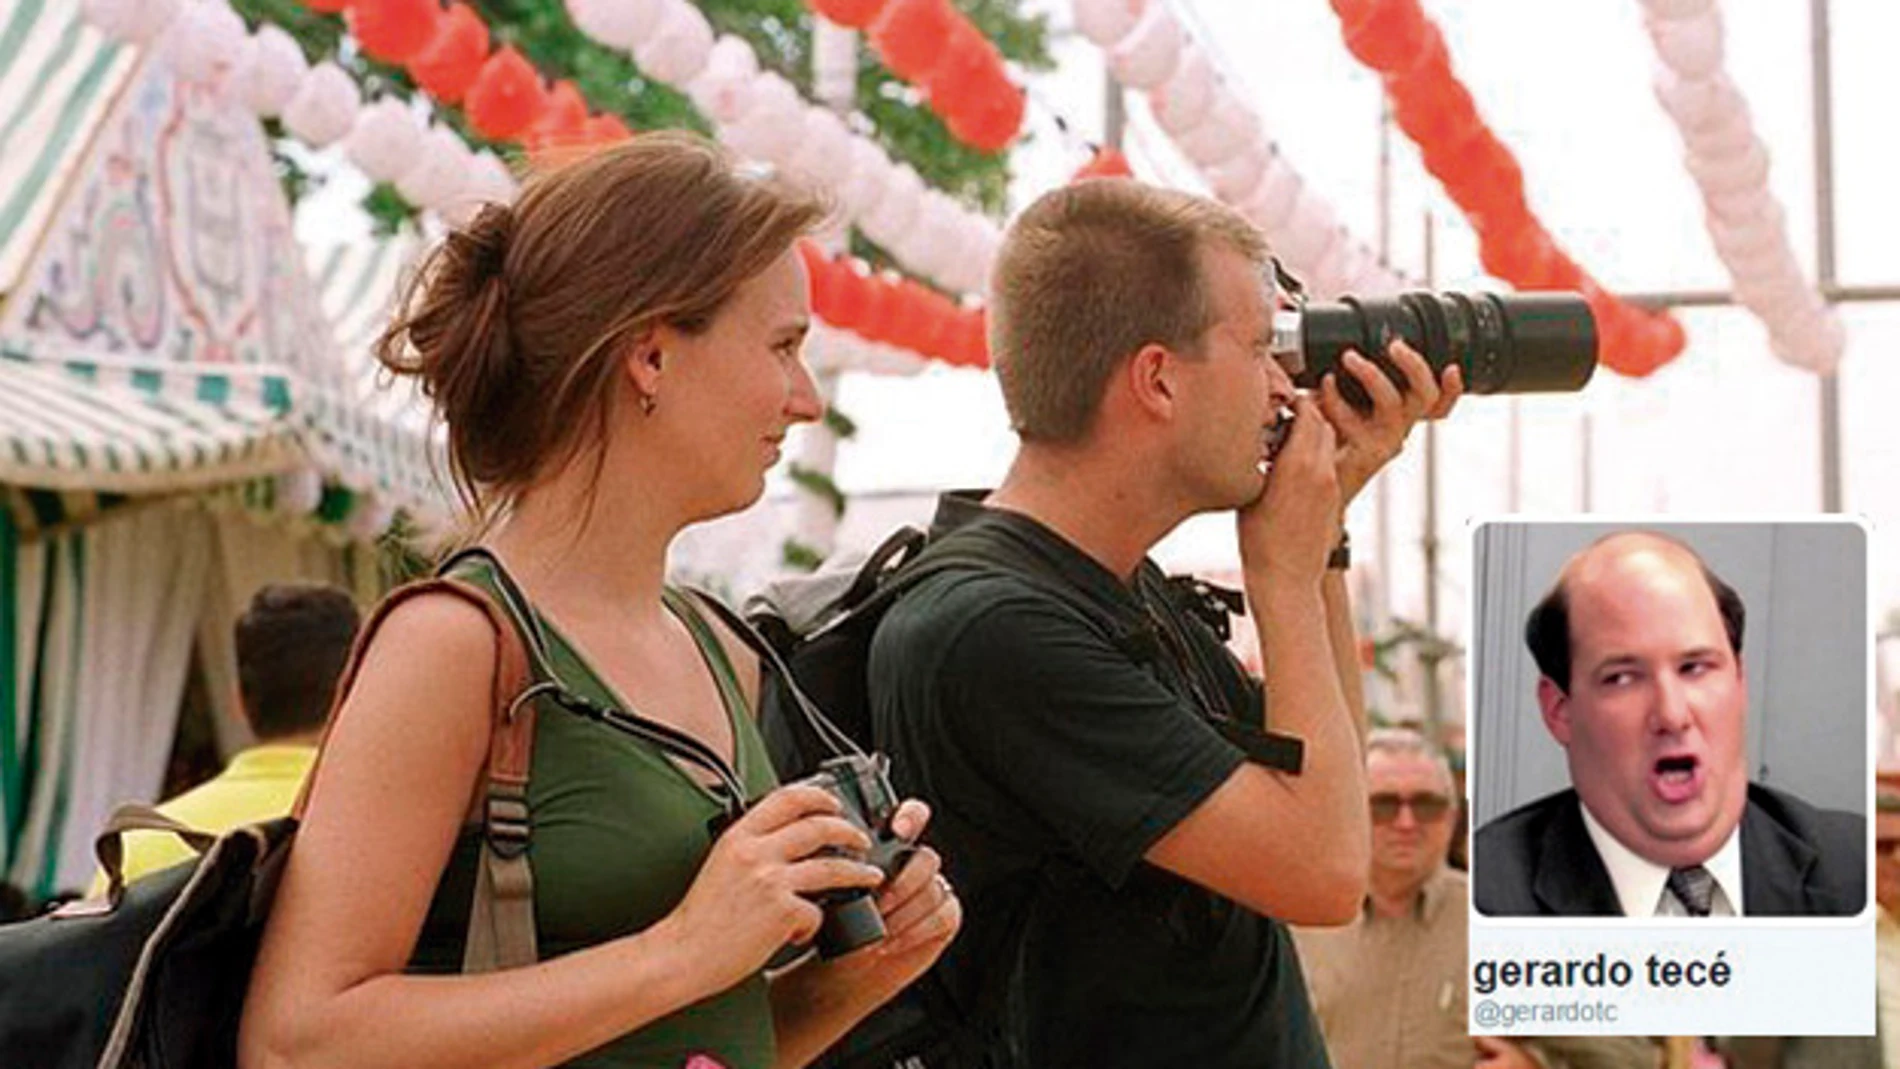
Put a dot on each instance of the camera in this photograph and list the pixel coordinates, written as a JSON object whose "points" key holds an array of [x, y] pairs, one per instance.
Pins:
{"points": [[862, 785], [1515, 343]]}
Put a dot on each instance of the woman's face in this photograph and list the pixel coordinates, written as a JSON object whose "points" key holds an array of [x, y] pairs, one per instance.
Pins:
{"points": [[726, 396]]}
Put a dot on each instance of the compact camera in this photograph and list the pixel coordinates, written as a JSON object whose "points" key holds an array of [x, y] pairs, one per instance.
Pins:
{"points": [[862, 785]]}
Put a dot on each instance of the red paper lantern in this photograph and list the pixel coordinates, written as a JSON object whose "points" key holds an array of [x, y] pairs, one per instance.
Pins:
{"points": [[394, 30], [856, 14], [1438, 110], [562, 123], [506, 97], [909, 36], [1389, 35], [968, 67], [975, 345], [993, 125], [851, 296], [1106, 163], [453, 60], [606, 130], [1514, 256], [328, 7], [818, 271]]}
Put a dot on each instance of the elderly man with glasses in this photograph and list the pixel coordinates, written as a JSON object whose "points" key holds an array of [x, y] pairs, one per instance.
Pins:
{"points": [[1389, 987]]}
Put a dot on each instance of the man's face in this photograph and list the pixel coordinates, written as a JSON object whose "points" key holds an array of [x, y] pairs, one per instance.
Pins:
{"points": [[1233, 388], [1655, 719], [1415, 792]]}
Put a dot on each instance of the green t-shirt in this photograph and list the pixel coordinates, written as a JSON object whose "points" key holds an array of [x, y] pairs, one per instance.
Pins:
{"points": [[619, 832]]}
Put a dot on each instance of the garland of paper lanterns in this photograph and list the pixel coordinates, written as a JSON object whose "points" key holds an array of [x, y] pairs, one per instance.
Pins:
{"points": [[930, 44], [893, 311], [1106, 162], [1149, 51], [761, 116], [1396, 39], [1730, 167]]}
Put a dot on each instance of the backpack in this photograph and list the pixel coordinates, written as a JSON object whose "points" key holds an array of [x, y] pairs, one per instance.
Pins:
{"points": [[820, 629], [154, 975]]}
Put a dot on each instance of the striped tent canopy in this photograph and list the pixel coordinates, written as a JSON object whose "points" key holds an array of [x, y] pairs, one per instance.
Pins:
{"points": [[161, 330]]}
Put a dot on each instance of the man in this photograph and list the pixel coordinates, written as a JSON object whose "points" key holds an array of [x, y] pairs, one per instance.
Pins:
{"points": [[1080, 741], [1639, 645], [292, 642], [1390, 987]]}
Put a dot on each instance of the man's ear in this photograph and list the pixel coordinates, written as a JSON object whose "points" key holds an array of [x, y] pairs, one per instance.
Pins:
{"points": [[1555, 705], [1152, 379]]}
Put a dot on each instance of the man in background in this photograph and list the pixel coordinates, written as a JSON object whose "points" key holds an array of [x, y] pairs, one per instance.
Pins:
{"points": [[1389, 987], [292, 642]]}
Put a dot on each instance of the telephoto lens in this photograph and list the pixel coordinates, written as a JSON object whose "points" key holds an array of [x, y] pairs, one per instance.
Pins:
{"points": [[1515, 343]]}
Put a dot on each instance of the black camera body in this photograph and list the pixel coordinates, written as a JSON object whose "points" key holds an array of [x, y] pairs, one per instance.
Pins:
{"points": [[862, 785], [1514, 343]]}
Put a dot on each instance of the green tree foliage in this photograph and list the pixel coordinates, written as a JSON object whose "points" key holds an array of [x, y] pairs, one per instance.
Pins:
{"points": [[779, 32]]}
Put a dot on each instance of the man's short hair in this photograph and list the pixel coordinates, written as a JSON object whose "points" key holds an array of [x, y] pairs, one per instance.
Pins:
{"points": [[1086, 276], [1407, 742], [1547, 629], [292, 643]]}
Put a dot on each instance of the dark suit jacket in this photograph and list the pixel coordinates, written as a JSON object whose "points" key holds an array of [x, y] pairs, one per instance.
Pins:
{"points": [[1797, 861]]}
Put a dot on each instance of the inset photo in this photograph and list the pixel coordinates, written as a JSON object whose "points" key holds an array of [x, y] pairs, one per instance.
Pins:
{"points": [[1670, 719]]}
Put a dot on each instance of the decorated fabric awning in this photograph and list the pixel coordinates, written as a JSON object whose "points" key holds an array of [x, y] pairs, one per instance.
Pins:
{"points": [[78, 425], [159, 330]]}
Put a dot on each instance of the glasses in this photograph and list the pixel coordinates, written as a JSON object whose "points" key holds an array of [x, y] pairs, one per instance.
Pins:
{"points": [[1426, 808]]}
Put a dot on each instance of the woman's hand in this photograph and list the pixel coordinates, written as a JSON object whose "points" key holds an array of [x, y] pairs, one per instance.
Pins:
{"points": [[751, 897], [921, 915]]}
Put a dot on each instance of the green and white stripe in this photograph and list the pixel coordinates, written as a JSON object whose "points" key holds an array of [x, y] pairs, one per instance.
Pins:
{"points": [[58, 77]]}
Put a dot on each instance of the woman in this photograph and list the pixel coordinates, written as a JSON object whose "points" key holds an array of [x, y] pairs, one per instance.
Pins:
{"points": [[615, 357]]}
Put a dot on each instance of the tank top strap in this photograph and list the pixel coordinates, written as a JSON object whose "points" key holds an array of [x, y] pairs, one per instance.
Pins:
{"points": [[686, 606]]}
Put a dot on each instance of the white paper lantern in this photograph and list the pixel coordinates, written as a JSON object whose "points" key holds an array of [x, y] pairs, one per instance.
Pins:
{"points": [[1754, 237], [1235, 180], [324, 108], [830, 156], [1305, 240], [1271, 207], [620, 24], [769, 128], [485, 181], [1185, 99], [1676, 9], [135, 22], [681, 47], [935, 239], [272, 72], [1692, 47], [1730, 138], [1106, 22], [370, 518], [1225, 134], [869, 169], [897, 210], [384, 141], [724, 89], [1150, 52], [439, 172], [1696, 102], [298, 492], [1731, 173], [1740, 206], [207, 41]]}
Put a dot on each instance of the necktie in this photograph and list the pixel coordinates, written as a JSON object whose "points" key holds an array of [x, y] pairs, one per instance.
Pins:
{"points": [[1694, 888]]}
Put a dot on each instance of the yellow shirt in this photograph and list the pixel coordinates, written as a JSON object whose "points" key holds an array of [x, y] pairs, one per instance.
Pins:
{"points": [[260, 783], [1887, 981]]}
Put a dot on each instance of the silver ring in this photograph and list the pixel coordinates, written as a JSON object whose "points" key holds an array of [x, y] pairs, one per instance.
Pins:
{"points": [[944, 886]]}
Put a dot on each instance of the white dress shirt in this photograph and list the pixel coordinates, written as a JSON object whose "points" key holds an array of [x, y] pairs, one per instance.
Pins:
{"points": [[1642, 885]]}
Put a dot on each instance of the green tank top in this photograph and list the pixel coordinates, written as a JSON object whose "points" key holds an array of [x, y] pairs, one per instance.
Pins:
{"points": [[619, 832]]}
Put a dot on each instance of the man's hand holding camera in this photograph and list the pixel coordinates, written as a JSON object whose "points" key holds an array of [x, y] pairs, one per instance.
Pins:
{"points": [[1368, 441]]}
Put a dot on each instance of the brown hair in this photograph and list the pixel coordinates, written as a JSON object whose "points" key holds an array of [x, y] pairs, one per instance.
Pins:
{"points": [[516, 322], [292, 642], [1089, 274]]}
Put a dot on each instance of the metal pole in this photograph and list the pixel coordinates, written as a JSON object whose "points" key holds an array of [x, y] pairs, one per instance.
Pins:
{"points": [[1824, 267], [1429, 651], [1114, 111], [1587, 494], [1382, 488]]}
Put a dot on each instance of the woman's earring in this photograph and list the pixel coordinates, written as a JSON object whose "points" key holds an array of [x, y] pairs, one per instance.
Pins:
{"points": [[648, 403]]}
